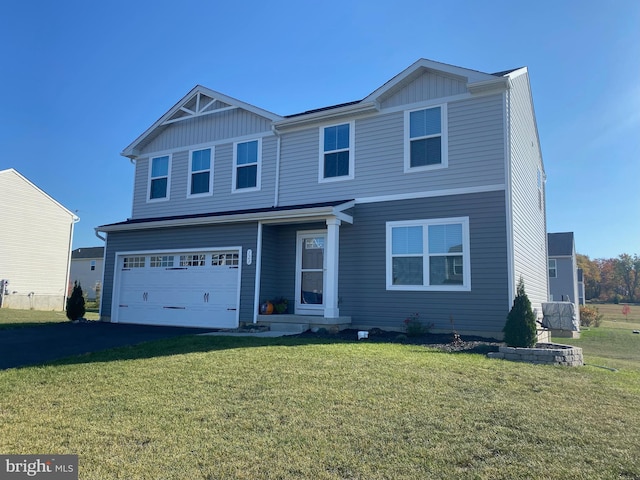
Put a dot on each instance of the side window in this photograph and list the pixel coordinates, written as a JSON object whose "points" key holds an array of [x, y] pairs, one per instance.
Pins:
{"points": [[247, 158], [336, 152], [426, 138], [92, 265], [159, 176], [200, 173], [428, 255], [553, 268]]}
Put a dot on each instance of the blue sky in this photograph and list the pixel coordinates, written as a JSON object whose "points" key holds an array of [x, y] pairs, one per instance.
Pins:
{"points": [[81, 80]]}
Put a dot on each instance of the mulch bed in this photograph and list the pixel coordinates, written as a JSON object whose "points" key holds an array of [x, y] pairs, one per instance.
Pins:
{"points": [[441, 341]]}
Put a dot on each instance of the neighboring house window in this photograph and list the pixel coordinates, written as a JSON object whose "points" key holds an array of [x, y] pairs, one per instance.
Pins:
{"points": [[92, 265], [553, 268], [246, 160], [200, 177], [133, 262], [426, 138], [336, 152], [159, 178], [428, 255]]}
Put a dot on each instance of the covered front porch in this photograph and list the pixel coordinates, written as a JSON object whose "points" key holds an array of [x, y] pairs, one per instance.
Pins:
{"points": [[298, 261]]}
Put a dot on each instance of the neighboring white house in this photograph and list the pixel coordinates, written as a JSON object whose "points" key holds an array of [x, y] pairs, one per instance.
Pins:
{"points": [[425, 196], [35, 246], [87, 265]]}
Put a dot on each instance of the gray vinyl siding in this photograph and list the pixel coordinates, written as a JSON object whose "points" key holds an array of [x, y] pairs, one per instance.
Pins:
{"points": [[362, 275], [243, 235], [564, 287], [223, 199], [427, 86], [529, 220], [476, 156], [207, 128]]}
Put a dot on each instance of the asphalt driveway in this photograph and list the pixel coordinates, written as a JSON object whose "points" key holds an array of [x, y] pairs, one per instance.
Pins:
{"points": [[37, 345]]}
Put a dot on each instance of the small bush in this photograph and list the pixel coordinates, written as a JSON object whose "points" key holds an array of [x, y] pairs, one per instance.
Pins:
{"points": [[415, 327], [590, 316], [520, 329], [75, 303]]}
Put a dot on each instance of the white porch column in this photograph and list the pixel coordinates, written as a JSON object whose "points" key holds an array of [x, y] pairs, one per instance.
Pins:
{"points": [[331, 273]]}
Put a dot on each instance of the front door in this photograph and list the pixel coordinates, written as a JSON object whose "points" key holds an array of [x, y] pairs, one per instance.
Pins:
{"points": [[310, 262]]}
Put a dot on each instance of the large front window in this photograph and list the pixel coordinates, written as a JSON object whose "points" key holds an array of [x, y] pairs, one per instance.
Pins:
{"points": [[428, 255], [159, 178], [425, 138], [336, 156], [200, 178]]}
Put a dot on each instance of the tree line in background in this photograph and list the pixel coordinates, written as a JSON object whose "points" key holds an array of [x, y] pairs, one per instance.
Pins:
{"points": [[611, 279]]}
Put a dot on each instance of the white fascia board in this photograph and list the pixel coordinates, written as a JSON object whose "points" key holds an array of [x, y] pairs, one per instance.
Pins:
{"points": [[326, 115], [265, 217], [492, 85]]}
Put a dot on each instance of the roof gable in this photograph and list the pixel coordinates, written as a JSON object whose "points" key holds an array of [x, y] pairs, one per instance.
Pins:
{"points": [[12, 173], [198, 102]]}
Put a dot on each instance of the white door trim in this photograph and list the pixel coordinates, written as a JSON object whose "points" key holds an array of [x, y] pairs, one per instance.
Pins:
{"points": [[301, 308]]}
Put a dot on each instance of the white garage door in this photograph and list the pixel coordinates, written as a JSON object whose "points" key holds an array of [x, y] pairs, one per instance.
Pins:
{"points": [[189, 289]]}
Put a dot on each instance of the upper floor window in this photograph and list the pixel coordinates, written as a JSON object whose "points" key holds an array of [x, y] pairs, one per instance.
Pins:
{"points": [[426, 138], [553, 268], [336, 152], [159, 175], [428, 255], [92, 265], [246, 161], [200, 175]]}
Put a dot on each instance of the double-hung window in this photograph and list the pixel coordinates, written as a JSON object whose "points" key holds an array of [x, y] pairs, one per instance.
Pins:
{"points": [[159, 175], [200, 174], [428, 254], [336, 152], [426, 138], [246, 160], [553, 268]]}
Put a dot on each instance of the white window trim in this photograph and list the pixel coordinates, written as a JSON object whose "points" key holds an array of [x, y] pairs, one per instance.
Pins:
{"points": [[555, 268], [149, 178], [425, 223], [351, 150], [444, 142], [234, 174], [190, 173]]}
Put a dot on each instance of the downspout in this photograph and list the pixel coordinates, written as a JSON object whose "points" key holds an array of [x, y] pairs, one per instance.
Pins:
{"points": [[104, 262], [276, 194], [509, 200], [75, 219]]}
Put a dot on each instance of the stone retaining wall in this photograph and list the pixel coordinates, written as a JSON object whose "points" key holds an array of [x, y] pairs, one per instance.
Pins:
{"points": [[542, 353]]}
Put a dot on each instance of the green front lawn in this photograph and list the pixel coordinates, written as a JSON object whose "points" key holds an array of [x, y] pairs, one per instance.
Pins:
{"points": [[10, 318], [290, 408]]}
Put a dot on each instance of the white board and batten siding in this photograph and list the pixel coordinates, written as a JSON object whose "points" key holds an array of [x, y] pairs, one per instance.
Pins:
{"points": [[528, 221], [35, 245]]}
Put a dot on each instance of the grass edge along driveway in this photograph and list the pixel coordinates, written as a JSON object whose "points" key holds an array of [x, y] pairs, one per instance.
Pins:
{"points": [[219, 407]]}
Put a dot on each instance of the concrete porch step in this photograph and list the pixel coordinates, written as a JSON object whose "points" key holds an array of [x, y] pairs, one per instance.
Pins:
{"points": [[288, 327]]}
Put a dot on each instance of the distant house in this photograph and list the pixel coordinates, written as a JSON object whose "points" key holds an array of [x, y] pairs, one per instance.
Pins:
{"points": [[35, 246], [563, 269], [425, 196], [87, 265]]}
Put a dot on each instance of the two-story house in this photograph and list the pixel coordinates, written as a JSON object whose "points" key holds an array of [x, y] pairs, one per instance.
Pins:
{"points": [[565, 278], [426, 196]]}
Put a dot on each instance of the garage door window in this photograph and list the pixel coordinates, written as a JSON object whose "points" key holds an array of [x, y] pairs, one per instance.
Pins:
{"points": [[196, 260], [133, 262], [227, 258], [161, 261]]}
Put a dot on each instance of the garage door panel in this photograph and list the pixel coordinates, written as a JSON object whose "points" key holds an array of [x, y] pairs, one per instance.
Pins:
{"points": [[197, 293]]}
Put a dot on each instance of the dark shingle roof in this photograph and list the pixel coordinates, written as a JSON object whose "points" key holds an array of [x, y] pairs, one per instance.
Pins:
{"points": [[560, 244], [88, 252]]}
